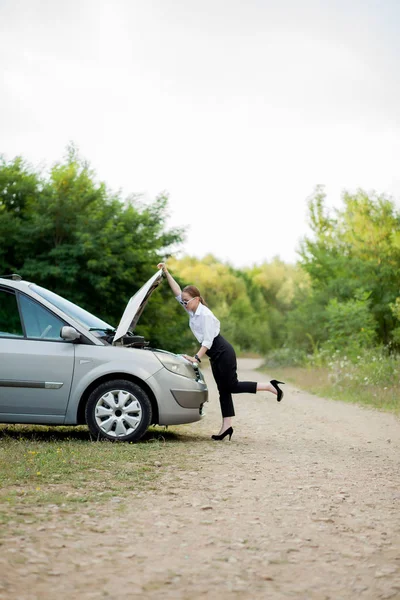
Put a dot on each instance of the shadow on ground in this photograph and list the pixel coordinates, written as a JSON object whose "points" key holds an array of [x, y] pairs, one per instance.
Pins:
{"points": [[45, 433]]}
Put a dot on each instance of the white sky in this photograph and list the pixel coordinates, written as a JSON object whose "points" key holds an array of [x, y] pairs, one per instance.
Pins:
{"points": [[236, 108]]}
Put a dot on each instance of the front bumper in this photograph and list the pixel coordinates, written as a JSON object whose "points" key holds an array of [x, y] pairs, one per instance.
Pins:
{"points": [[180, 399]]}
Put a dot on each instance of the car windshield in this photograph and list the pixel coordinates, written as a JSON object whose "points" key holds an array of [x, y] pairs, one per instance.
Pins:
{"points": [[77, 313]]}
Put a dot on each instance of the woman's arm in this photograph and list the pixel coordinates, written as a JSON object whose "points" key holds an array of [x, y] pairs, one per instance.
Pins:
{"points": [[176, 290], [199, 354]]}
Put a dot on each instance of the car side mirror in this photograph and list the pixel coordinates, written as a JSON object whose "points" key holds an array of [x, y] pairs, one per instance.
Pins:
{"points": [[69, 334]]}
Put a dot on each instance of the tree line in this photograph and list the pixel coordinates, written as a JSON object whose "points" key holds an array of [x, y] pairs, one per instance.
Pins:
{"points": [[67, 231]]}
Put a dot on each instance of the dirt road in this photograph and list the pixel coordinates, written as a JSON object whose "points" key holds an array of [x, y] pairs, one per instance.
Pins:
{"points": [[303, 503]]}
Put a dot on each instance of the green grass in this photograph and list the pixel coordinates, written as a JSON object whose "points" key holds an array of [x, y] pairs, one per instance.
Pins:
{"points": [[60, 467], [322, 381]]}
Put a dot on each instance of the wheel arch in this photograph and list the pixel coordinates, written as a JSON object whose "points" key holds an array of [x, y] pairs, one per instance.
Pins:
{"points": [[110, 377]]}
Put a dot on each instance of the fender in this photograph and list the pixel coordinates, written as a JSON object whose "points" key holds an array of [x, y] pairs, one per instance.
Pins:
{"points": [[91, 364]]}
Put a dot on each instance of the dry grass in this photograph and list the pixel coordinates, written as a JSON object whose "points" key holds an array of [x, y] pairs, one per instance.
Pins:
{"points": [[318, 380], [43, 467]]}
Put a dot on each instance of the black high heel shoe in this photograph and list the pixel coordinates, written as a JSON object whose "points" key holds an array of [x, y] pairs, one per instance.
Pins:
{"points": [[275, 383], [228, 431]]}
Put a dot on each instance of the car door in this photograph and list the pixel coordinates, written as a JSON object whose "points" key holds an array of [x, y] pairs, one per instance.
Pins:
{"points": [[36, 365]]}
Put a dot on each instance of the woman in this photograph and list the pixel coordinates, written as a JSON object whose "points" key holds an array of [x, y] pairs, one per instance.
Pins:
{"points": [[206, 328]]}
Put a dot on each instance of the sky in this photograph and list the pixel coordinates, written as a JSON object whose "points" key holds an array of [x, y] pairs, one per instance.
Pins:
{"points": [[236, 109]]}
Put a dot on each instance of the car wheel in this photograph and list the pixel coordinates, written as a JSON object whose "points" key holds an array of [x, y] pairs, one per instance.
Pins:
{"points": [[118, 410]]}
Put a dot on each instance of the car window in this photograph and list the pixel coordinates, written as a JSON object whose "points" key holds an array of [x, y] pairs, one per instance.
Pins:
{"points": [[39, 322], [10, 322], [79, 314]]}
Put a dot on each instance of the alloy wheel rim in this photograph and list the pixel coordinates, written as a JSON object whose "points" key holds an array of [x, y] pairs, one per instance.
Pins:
{"points": [[118, 413]]}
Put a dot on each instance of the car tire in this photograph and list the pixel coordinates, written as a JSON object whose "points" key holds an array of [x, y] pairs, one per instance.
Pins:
{"points": [[118, 410]]}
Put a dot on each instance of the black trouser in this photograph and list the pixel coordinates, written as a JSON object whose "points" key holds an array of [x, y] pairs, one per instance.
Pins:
{"points": [[224, 368]]}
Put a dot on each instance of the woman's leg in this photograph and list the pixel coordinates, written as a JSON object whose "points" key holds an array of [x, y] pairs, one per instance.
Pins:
{"points": [[225, 398], [227, 367], [224, 369], [226, 423], [266, 387]]}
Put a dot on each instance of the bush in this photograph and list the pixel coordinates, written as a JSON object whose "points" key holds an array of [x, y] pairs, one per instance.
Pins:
{"points": [[286, 357], [362, 368], [350, 323]]}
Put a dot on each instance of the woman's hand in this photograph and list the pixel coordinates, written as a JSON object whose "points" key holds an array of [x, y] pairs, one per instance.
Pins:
{"points": [[163, 267], [190, 358]]}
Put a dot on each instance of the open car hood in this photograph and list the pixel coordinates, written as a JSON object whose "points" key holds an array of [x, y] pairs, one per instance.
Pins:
{"points": [[136, 305]]}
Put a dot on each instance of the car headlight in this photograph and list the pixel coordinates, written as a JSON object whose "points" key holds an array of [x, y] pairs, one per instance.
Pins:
{"points": [[176, 364]]}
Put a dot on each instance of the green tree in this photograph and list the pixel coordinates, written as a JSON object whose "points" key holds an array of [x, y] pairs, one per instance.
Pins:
{"points": [[69, 233], [355, 251], [350, 323], [19, 186], [280, 286]]}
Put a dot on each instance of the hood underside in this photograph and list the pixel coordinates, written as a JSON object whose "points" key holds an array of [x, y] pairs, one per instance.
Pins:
{"points": [[136, 305]]}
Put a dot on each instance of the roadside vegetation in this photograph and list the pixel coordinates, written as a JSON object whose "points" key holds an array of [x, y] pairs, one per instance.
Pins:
{"points": [[370, 378], [343, 337]]}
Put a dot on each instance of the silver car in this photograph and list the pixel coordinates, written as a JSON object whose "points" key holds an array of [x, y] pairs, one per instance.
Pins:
{"points": [[61, 365]]}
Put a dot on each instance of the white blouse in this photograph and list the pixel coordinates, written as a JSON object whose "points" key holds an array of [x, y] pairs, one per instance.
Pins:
{"points": [[203, 323]]}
